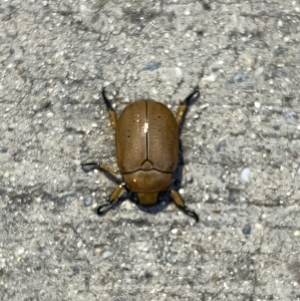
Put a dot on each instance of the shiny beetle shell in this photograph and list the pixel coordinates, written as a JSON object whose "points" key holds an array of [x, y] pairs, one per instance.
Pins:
{"points": [[147, 134]]}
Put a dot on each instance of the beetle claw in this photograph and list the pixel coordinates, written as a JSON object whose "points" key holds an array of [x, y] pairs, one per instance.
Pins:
{"points": [[106, 100], [192, 97], [87, 167], [103, 208], [192, 214]]}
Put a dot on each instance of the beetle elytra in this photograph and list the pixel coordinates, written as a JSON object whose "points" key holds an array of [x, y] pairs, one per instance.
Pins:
{"points": [[147, 150]]}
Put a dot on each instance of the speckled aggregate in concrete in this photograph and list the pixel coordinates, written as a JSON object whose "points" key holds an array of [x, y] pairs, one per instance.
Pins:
{"points": [[240, 146]]}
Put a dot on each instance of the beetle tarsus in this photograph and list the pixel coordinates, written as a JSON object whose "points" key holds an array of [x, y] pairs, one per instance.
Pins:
{"points": [[192, 97], [192, 214], [111, 110], [106, 100], [87, 167], [104, 208]]}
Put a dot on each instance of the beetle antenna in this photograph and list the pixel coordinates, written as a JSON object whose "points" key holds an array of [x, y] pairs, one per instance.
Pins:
{"points": [[106, 100], [192, 97]]}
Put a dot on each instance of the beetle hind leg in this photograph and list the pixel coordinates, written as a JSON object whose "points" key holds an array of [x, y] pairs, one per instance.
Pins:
{"points": [[113, 197], [111, 111], [183, 105], [180, 203]]}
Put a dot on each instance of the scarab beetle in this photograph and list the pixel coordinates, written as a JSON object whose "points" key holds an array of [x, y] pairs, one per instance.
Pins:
{"points": [[147, 150]]}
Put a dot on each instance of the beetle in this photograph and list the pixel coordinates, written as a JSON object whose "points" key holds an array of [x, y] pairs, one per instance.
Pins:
{"points": [[147, 150]]}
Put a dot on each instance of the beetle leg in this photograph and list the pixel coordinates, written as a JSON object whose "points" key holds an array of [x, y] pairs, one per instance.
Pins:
{"points": [[113, 197], [180, 203], [116, 193], [183, 105], [87, 167], [111, 111], [109, 169]]}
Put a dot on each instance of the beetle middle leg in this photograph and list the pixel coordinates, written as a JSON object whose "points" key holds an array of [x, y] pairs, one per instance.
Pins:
{"points": [[111, 110], [183, 105], [180, 203]]}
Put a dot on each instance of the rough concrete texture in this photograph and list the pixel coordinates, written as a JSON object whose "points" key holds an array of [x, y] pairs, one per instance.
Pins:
{"points": [[240, 148]]}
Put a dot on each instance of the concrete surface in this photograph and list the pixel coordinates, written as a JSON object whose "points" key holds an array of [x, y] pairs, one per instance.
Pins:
{"points": [[240, 147]]}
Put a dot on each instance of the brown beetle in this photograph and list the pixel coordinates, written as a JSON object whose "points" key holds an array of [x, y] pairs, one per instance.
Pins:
{"points": [[147, 150]]}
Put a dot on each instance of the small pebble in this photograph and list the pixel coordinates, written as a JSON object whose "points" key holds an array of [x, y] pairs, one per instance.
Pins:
{"points": [[20, 251], [245, 174], [246, 229], [238, 78], [178, 72], [62, 201], [280, 23], [232, 198], [216, 191], [257, 105], [79, 244], [107, 254], [152, 66], [297, 233], [210, 78], [290, 117], [87, 201], [258, 226], [259, 71], [75, 269]]}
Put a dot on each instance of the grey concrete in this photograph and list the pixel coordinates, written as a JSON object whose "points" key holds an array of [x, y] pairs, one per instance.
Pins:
{"points": [[240, 146]]}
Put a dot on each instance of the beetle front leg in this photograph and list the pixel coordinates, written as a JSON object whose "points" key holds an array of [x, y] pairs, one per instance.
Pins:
{"points": [[113, 197], [183, 105], [87, 167], [111, 110], [180, 203], [109, 169]]}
